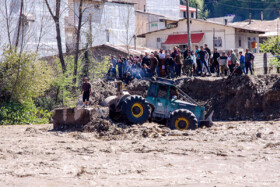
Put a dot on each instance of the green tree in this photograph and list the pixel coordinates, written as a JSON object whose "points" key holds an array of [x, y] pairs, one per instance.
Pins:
{"points": [[272, 45]]}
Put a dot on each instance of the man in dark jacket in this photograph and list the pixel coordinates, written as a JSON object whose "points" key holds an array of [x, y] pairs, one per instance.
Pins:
{"points": [[216, 66], [146, 60], [169, 66], [112, 73], [249, 57]]}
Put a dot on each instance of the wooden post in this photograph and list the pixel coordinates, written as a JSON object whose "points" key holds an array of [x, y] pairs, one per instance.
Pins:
{"points": [[265, 63]]}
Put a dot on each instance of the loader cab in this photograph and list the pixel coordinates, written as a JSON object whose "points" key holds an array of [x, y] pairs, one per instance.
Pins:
{"points": [[163, 97]]}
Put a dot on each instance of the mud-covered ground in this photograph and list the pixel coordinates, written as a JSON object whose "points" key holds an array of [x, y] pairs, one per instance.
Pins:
{"points": [[228, 154]]}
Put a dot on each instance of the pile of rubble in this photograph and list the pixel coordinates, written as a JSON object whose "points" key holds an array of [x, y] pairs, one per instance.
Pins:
{"points": [[232, 98]]}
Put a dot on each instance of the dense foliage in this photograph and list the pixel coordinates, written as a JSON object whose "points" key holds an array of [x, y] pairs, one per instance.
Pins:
{"points": [[23, 78], [272, 45], [241, 8], [31, 88]]}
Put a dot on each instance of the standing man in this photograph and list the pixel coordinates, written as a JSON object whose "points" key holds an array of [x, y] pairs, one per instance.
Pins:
{"points": [[146, 60], [197, 59], [186, 52], [249, 57], [154, 64], [242, 62], [216, 66], [233, 59], [178, 61], [202, 56], [169, 66], [120, 64], [223, 61], [86, 92], [208, 50], [113, 61]]}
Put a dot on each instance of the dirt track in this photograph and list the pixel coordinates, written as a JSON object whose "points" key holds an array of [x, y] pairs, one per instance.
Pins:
{"points": [[228, 154]]}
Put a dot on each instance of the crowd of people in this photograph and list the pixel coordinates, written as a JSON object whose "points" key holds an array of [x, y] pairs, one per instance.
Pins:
{"points": [[175, 63]]}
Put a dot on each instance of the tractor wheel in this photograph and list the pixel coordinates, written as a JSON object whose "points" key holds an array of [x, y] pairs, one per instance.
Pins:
{"points": [[135, 110], [182, 120]]}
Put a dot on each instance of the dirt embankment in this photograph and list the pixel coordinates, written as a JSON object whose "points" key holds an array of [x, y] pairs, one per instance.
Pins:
{"points": [[233, 98]]}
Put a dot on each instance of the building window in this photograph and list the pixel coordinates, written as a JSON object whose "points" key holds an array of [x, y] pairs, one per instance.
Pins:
{"points": [[107, 36], [184, 14], [240, 42], [218, 42]]}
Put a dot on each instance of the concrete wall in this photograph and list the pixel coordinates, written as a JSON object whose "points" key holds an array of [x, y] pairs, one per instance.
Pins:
{"points": [[244, 38], [39, 25], [164, 7], [111, 23]]}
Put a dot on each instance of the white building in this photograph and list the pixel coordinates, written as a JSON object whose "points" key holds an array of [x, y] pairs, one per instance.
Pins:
{"points": [[216, 35], [37, 32], [104, 22]]}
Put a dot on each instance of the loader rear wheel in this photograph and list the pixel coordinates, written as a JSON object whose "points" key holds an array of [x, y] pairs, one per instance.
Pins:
{"points": [[135, 110], [182, 120]]}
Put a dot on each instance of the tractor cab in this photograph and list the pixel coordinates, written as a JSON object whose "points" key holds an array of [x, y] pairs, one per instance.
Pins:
{"points": [[166, 98]]}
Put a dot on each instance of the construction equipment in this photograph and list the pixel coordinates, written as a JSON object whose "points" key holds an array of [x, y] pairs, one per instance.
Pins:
{"points": [[161, 103]]}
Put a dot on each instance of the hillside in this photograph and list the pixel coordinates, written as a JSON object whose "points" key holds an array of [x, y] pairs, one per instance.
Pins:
{"points": [[241, 8]]}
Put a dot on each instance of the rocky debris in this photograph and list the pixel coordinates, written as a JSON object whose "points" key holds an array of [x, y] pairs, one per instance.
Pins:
{"points": [[104, 129], [237, 98], [138, 87]]}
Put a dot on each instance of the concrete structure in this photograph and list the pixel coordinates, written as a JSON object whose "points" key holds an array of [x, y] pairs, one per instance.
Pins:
{"points": [[104, 22], [223, 37], [37, 33]]}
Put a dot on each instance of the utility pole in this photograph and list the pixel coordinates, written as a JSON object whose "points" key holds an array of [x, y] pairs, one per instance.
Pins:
{"points": [[188, 23]]}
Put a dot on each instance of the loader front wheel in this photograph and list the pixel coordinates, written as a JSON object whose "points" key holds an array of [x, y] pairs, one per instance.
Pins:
{"points": [[182, 120], [135, 110]]}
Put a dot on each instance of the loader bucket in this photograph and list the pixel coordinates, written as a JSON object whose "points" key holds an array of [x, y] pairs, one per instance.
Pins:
{"points": [[208, 122], [210, 118]]}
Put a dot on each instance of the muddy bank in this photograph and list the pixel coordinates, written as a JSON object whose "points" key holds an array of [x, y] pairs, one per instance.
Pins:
{"points": [[232, 98]]}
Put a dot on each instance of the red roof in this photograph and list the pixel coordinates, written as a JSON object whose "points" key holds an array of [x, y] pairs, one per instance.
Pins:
{"points": [[184, 9], [183, 38]]}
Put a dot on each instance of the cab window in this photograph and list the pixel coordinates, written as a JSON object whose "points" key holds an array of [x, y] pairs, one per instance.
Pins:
{"points": [[162, 91]]}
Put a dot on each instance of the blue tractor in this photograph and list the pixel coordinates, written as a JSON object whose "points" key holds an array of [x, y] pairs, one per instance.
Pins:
{"points": [[164, 102]]}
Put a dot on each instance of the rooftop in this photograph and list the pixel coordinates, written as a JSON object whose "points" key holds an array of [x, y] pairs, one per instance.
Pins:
{"points": [[238, 27], [267, 26]]}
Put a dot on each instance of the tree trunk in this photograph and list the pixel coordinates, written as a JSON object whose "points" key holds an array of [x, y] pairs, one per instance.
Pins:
{"points": [[78, 42], [58, 33], [59, 46], [19, 25]]}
